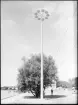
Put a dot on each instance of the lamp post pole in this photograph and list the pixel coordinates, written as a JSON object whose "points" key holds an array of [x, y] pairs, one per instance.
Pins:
{"points": [[41, 60], [41, 14]]}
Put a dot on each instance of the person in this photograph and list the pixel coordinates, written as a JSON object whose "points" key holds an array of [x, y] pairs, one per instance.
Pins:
{"points": [[43, 93], [51, 91]]}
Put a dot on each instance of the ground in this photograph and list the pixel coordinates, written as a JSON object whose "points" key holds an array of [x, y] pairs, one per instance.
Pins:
{"points": [[59, 96]]}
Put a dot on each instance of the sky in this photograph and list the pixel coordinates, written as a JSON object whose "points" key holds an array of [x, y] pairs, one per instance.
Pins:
{"points": [[21, 36]]}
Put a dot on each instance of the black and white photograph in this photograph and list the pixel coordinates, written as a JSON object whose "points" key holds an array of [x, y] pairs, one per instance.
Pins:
{"points": [[38, 52]]}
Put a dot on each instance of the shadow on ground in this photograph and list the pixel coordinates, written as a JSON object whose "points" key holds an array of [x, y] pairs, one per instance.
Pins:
{"points": [[54, 96], [29, 97], [46, 96]]}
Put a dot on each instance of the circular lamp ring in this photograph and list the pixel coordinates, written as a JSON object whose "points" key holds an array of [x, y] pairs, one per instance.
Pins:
{"points": [[41, 14]]}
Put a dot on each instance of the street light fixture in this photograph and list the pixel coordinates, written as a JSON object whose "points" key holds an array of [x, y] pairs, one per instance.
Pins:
{"points": [[41, 14]]}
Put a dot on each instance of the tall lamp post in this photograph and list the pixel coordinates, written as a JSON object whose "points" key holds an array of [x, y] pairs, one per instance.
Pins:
{"points": [[41, 14]]}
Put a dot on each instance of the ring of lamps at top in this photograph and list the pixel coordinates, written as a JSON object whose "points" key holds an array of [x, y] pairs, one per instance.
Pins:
{"points": [[42, 14]]}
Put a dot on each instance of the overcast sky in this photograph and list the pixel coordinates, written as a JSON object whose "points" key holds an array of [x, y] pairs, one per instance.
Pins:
{"points": [[20, 36]]}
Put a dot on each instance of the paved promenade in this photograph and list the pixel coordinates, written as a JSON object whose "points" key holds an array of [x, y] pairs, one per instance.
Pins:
{"points": [[60, 98]]}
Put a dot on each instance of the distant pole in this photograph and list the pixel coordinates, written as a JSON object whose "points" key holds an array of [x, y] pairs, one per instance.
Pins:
{"points": [[41, 14]]}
